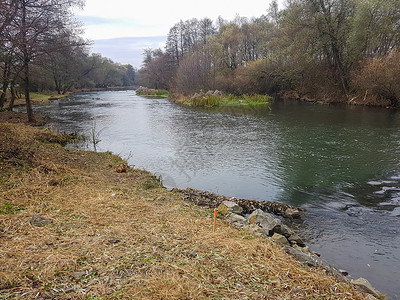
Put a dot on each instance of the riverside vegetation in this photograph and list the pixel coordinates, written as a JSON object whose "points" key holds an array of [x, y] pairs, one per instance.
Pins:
{"points": [[217, 98], [156, 93], [329, 51], [82, 225]]}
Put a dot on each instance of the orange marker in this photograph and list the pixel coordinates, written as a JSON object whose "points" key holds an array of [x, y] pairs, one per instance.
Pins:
{"points": [[215, 220]]}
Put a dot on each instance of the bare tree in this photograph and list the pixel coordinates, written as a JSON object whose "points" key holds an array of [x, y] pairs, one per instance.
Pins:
{"points": [[34, 29]]}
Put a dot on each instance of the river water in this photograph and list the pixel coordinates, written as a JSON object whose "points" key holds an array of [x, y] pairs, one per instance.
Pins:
{"points": [[340, 163]]}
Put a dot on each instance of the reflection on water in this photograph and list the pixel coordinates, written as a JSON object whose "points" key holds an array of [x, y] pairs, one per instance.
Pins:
{"points": [[341, 164]]}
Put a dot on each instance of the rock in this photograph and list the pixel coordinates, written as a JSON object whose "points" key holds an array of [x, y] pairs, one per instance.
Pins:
{"points": [[193, 254], [343, 272], [280, 239], [304, 249], [294, 238], [286, 231], [267, 222], [114, 241], [365, 286], [292, 213], [40, 221], [271, 225], [228, 207], [204, 198], [236, 220], [312, 260], [256, 216]]}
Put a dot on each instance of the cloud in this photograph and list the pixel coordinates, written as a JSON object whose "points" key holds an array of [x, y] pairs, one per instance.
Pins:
{"points": [[127, 50], [156, 17]]}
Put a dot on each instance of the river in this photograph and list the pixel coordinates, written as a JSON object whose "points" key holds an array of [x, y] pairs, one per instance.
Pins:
{"points": [[340, 163]]}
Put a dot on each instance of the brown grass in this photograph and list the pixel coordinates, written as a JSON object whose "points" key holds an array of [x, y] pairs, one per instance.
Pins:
{"points": [[123, 236]]}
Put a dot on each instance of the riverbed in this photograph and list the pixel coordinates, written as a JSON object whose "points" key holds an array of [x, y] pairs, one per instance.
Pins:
{"points": [[340, 163]]}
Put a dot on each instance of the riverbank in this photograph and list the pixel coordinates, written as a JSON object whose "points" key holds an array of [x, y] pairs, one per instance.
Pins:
{"points": [[36, 98], [79, 224]]}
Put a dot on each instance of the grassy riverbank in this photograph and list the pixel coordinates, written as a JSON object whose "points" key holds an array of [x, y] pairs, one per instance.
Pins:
{"points": [[113, 235], [36, 98], [151, 93], [212, 99]]}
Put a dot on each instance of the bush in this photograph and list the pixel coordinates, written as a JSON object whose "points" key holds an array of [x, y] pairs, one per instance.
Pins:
{"points": [[378, 81]]}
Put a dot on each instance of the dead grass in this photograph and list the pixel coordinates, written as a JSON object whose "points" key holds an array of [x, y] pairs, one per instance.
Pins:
{"points": [[114, 236]]}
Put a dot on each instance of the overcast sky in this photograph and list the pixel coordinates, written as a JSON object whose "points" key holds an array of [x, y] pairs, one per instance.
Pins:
{"points": [[120, 27]]}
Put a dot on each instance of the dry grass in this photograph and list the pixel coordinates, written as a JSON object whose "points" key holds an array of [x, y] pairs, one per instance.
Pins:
{"points": [[122, 236]]}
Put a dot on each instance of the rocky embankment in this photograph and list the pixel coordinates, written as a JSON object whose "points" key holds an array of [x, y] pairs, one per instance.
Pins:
{"points": [[261, 219]]}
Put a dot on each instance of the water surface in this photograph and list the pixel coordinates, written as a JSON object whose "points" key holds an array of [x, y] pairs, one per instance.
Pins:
{"points": [[340, 163]]}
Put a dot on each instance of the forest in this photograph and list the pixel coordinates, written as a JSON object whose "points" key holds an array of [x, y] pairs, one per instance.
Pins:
{"points": [[314, 50], [325, 50], [41, 49]]}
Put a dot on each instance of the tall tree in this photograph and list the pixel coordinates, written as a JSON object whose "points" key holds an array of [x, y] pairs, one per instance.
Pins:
{"points": [[34, 29]]}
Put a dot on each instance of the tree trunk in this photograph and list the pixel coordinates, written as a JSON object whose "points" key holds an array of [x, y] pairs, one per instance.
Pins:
{"points": [[27, 94], [13, 96], [5, 84], [26, 64]]}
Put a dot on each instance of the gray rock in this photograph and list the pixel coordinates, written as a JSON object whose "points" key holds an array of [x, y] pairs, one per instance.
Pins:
{"points": [[271, 225], [257, 216], [294, 238], [236, 220], [286, 231], [228, 207], [192, 254], [114, 241], [40, 221], [305, 249], [343, 272], [366, 286], [280, 239], [313, 260], [268, 223], [292, 213]]}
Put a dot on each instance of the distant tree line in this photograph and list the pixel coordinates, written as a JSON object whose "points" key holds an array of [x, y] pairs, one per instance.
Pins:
{"points": [[331, 50], [41, 49]]}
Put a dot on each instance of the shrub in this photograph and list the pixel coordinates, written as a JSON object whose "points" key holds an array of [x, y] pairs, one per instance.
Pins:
{"points": [[378, 81]]}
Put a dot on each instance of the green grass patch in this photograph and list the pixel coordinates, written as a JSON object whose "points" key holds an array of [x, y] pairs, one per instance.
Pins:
{"points": [[152, 93], [211, 100], [9, 209]]}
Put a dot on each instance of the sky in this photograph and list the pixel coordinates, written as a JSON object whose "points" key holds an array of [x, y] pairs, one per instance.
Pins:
{"points": [[121, 29]]}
